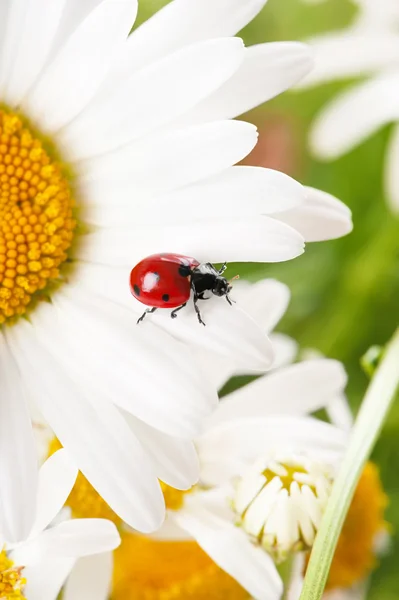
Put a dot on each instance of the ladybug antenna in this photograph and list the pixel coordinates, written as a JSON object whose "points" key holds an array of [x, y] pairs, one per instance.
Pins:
{"points": [[234, 278]]}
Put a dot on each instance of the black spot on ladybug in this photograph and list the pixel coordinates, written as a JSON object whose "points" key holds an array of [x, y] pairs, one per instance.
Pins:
{"points": [[136, 290], [165, 297], [184, 270]]}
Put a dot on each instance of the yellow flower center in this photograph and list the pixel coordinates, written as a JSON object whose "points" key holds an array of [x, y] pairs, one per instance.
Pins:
{"points": [[355, 554], [11, 581], [173, 498], [148, 569], [36, 222]]}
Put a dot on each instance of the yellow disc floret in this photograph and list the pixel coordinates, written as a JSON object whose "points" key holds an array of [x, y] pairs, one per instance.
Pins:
{"points": [[355, 554], [11, 580], [149, 569], [36, 222]]}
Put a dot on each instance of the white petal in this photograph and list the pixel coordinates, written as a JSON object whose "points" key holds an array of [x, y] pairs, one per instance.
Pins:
{"points": [[267, 70], [349, 119], [79, 537], [339, 412], [175, 460], [114, 358], [238, 191], [4, 8], [266, 301], [232, 550], [81, 65], [93, 432], [226, 449], [56, 479], [180, 23], [170, 530], [229, 332], [166, 161], [321, 217], [285, 349], [249, 239], [351, 54], [90, 579], [133, 109], [296, 389], [45, 579], [391, 169], [18, 462], [36, 39], [74, 14], [13, 13]]}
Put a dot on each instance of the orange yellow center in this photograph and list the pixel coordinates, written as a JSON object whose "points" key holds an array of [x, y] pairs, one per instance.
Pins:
{"points": [[355, 554], [11, 580], [36, 222], [148, 569]]}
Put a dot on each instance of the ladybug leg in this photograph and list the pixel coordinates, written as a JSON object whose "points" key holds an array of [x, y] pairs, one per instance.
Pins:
{"points": [[197, 310], [223, 268], [229, 300], [174, 311], [149, 310]]}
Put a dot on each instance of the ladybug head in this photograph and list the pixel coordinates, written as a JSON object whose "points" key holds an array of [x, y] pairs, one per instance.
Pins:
{"points": [[221, 287]]}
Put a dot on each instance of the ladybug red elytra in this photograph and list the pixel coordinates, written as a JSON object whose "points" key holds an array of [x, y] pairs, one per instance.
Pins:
{"points": [[166, 281]]}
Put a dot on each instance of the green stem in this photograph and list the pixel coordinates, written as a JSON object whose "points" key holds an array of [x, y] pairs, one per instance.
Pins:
{"points": [[285, 572], [375, 406]]}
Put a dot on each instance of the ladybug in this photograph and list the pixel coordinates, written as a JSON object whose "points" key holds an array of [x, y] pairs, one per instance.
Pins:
{"points": [[166, 281]]}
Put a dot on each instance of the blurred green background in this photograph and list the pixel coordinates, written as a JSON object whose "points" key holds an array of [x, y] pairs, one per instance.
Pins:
{"points": [[344, 293]]}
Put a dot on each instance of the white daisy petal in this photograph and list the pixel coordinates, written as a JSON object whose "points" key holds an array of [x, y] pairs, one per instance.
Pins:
{"points": [[249, 239], [133, 109], [13, 12], [148, 167], [18, 462], [232, 550], [73, 15], [267, 70], [56, 479], [37, 37], [45, 583], [90, 578], [321, 217], [180, 23], [296, 389], [285, 349], [238, 191], [229, 332], [54, 100], [97, 438], [4, 8], [110, 335], [79, 537], [175, 460], [226, 449], [350, 54], [348, 120], [339, 412], [392, 172], [266, 301]]}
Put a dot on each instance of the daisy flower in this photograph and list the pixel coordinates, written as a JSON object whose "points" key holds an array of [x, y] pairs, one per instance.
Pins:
{"points": [[37, 567], [113, 147], [369, 48]]}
